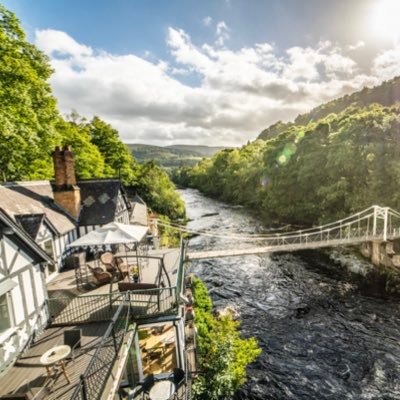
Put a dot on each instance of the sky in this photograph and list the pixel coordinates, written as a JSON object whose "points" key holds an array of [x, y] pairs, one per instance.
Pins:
{"points": [[210, 72]]}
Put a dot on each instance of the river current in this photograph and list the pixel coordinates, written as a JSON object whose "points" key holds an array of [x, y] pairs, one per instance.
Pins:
{"points": [[322, 334]]}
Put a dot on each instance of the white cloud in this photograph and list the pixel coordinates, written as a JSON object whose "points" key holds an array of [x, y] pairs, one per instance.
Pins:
{"points": [[360, 44], [237, 92], [222, 33], [51, 41], [207, 21], [387, 63]]}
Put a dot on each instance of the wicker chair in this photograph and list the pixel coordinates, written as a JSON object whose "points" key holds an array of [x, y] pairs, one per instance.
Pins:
{"points": [[102, 277]]}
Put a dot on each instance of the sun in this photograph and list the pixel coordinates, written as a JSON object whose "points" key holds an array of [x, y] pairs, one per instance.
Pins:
{"points": [[385, 19]]}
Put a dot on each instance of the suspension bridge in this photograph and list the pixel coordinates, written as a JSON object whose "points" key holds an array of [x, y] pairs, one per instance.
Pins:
{"points": [[374, 224]]}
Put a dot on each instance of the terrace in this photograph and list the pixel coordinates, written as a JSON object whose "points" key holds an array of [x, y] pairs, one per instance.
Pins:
{"points": [[126, 336], [91, 367]]}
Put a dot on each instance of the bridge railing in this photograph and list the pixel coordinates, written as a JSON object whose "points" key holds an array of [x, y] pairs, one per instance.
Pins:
{"points": [[374, 223]]}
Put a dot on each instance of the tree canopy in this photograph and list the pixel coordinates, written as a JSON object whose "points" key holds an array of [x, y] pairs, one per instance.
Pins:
{"points": [[320, 172], [31, 127]]}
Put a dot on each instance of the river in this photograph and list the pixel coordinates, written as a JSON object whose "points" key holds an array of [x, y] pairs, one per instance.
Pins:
{"points": [[323, 336]]}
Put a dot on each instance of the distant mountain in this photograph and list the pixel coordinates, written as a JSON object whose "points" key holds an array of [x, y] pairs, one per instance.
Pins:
{"points": [[172, 156], [386, 94]]}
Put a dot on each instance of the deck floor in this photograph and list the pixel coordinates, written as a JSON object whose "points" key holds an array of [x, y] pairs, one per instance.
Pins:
{"points": [[28, 374]]}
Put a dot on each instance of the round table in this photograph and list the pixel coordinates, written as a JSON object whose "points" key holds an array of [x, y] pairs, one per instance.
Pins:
{"points": [[56, 355], [162, 390]]}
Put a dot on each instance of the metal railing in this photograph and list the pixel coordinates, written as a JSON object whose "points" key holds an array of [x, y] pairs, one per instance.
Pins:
{"points": [[102, 307], [374, 223], [94, 379], [181, 267]]}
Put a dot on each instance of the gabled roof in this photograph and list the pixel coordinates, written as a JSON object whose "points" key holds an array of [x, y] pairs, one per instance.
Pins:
{"points": [[32, 223], [138, 199], [18, 234], [99, 199], [139, 214], [34, 198]]}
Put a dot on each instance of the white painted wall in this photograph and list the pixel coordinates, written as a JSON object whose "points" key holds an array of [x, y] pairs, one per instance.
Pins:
{"points": [[26, 301]]}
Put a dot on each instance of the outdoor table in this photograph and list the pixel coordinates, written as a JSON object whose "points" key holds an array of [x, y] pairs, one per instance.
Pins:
{"points": [[169, 341], [162, 390], [54, 356]]}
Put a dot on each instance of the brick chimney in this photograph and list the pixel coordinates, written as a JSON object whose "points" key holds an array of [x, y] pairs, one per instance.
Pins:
{"points": [[66, 193]]}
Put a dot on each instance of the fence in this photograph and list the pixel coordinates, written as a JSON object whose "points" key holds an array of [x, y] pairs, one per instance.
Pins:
{"points": [[102, 307], [93, 381]]}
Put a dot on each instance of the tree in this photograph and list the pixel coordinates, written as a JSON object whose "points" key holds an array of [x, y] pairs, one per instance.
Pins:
{"points": [[118, 160], [28, 109]]}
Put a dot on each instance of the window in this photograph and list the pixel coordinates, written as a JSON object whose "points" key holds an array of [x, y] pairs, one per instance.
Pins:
{"points": [[48, 248], [5, 320]]}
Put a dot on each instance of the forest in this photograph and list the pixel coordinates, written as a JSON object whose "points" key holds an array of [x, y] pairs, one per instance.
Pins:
{"points": [[313, 173], [32, 126]]}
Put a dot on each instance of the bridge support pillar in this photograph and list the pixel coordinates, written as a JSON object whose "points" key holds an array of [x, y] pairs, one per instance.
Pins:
{"points": [[376, 252]]}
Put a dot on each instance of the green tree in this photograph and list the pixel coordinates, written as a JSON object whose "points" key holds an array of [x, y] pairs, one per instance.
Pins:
{"points": [[118, 159], [28, 110], [159, 192]]}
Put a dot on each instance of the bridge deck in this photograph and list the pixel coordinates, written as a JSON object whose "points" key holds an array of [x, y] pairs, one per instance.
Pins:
{"points": [[201, 255]]}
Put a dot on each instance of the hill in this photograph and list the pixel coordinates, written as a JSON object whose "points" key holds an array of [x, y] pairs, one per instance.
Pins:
{"points": [[338, 159], [172, 156], [386, 94]]}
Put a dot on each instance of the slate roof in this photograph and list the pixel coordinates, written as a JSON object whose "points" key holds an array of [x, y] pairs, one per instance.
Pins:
{"points": [[34, 198], [31, 223], [99, 199], [21, 236]]}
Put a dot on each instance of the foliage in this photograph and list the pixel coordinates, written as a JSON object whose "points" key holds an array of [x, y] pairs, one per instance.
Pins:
{"points": [[118, 159], [386, 94], [31, 127], [223, 354], [309, 174], [28, 110], [157, 189]]}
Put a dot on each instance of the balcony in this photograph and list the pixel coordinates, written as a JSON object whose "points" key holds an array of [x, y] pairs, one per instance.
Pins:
{"points": [[88, 369], [120, 334]]}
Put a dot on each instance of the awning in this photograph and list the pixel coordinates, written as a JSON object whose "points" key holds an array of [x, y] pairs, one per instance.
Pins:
{"points": [[6, 286], [113, 233]]}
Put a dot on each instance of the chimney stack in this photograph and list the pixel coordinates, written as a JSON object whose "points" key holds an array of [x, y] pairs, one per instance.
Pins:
{"points": [[66, 193]]}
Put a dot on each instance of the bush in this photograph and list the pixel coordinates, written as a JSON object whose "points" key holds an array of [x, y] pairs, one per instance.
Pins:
{"points": [[223, 354]]}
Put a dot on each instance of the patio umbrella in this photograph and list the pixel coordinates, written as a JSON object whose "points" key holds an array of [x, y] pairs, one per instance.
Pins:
{"points": [[112, 233]]}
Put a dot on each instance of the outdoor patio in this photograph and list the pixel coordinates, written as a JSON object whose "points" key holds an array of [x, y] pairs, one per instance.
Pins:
{"points": [[28, 375], [158, 349]]}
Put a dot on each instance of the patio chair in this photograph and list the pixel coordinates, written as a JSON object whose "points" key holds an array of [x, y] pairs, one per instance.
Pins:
{"points": [[179, 376], [122, 267], [72, 338], [102, 277], [108, 261], [148, 383]]}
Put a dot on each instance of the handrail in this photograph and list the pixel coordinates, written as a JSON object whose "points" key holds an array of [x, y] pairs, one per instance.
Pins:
{"points": [[101, 307], [94, 379]]}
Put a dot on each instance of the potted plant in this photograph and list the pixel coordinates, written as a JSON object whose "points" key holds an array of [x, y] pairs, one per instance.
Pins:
{"points": [[135, 274]]}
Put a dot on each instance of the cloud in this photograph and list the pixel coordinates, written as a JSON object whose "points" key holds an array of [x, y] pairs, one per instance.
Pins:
{"points": [[360, 44], [206, 93], [222, 33], [51, 41], [207, 21], [387, 63]]}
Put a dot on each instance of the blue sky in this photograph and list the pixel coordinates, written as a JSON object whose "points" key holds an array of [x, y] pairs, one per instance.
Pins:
{"points": [[209, 72]]}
